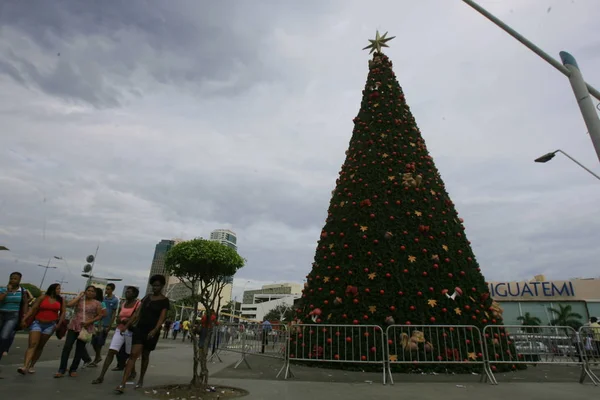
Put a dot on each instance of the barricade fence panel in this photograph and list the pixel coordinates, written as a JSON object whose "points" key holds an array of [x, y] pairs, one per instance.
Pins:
{"points": [[413, 345], [532, 344], [228, 337], [589, 343], [434, 344], [337, 343], [267, 341]]}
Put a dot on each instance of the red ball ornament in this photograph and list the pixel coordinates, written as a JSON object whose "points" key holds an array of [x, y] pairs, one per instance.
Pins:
{"points": [[392, 308], [432, 319], [355, 322], [412, 308]]}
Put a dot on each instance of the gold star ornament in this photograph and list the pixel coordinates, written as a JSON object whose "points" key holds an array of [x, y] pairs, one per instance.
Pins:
{"points": [[372, 309], [393, 357], [432, 303], [412, 259], [458, 311], [372, 275], [325, 279], [379, 42], [472, 356]]}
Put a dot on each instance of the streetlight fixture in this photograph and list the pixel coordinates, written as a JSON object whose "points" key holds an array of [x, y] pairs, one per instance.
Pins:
{"points": [[46, 268], [549, 156], [569, 68], [89, 268]]}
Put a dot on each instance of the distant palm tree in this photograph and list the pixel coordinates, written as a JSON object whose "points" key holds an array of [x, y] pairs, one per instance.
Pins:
{"points": [[530, 320], [565, 316]]}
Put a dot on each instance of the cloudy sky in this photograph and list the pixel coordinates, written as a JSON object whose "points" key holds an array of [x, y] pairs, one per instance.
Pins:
{"points": [[126, 122]]}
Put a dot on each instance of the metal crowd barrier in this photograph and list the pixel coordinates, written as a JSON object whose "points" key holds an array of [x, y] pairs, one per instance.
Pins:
{"points": [[536, 345], [251, 339], [355, 344], [589, 345], [436, 344], [413, 345]]}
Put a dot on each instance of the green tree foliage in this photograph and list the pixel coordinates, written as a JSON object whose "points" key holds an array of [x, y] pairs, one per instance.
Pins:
{"points": [[202, 266], [393, 248], [33, 289], [565, 316], [281, 312], [530, 322]]}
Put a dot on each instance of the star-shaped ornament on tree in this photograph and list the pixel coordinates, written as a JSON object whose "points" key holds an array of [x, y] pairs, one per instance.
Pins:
{"points": [[378, 42]]}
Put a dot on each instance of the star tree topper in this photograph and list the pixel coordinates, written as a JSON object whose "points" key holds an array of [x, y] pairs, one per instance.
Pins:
{"points": [[378, 42]]}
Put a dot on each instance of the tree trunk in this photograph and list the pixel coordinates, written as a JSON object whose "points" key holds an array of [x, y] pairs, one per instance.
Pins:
{"points": [[200, 378]]}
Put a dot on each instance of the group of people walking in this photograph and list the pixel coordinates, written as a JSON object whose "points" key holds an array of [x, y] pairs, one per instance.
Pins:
{"points": [[138, 324]]}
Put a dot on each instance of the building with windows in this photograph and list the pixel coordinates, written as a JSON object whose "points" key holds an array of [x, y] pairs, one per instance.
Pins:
{"points": [[274, 290], [158, 261], [538, 297], [258, 302], [224, 236]]}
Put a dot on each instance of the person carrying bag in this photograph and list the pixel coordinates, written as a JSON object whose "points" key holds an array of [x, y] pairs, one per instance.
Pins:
{"points": [[87, 311]]}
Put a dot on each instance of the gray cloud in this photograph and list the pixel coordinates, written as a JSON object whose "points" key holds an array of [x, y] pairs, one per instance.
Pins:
{"points": [[176, 119]]}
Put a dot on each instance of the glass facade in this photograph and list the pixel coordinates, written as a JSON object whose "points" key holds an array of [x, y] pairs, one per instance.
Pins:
{"points": [[540, 309]]}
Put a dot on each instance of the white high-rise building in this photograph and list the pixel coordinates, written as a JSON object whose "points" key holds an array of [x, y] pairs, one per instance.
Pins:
{"points": [[224, 236]]}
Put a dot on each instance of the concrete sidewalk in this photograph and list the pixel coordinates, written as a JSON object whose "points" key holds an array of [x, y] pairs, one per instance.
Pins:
{"points": [[171, 364]]}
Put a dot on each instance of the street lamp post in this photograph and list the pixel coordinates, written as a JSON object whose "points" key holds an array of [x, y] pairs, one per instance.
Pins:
{"points": [[46, 268], [549, 156], [569, 68], [89, 268]]}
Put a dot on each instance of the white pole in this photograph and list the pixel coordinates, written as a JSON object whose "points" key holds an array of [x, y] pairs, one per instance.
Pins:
{"points": [[545, 56], [582, 95]]}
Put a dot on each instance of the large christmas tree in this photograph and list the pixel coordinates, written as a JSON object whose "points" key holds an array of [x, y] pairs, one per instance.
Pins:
{"points": [[393, 249]]}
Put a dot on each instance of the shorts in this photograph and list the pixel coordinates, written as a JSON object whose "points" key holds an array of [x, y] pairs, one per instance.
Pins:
{"points": [[140, 336], [99, 338], [119, 339], [46, 328]]}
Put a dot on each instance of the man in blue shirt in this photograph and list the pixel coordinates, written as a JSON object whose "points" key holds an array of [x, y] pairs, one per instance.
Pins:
{"points": [[14, 303], [112, 306], [266, 331], [176, 328]]}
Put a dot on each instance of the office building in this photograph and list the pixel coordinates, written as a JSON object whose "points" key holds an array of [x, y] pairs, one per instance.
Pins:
{"points": [[271, 291], [258, 302], [158, 261], [228, 238], [538, 297], [224, 236]]}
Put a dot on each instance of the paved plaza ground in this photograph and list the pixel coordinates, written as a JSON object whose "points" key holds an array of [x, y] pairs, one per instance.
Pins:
{"points": [[171, 363]]}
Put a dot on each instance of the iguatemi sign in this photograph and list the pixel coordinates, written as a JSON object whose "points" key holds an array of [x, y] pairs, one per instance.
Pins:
{"points": [[531, 290]]}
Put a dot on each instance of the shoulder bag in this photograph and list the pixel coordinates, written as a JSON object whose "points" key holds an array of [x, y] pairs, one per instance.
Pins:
{"points": [[84, 335]]}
